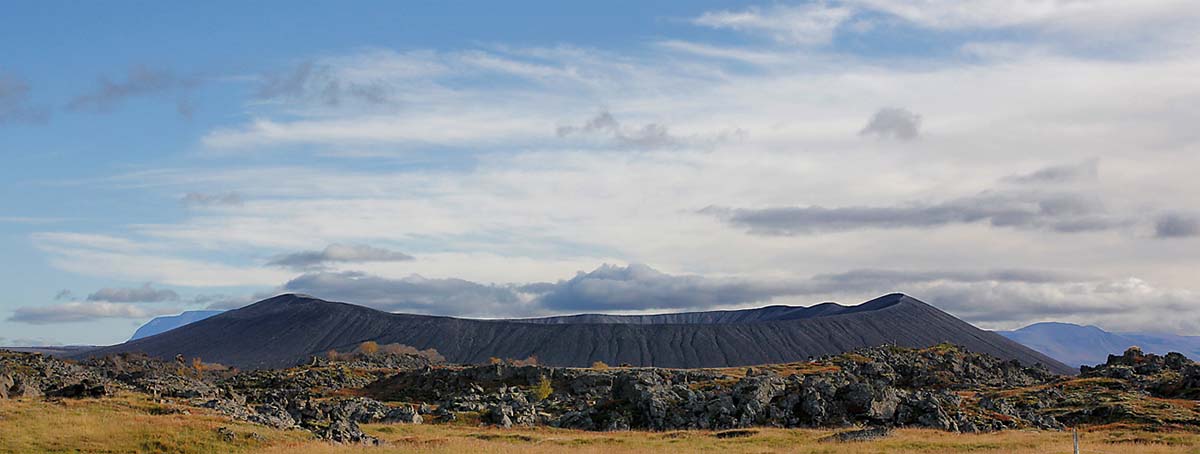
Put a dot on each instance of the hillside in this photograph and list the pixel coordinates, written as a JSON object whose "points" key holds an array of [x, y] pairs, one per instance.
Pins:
{"points": [[1077, 345], [289, 328], [169, 322]]}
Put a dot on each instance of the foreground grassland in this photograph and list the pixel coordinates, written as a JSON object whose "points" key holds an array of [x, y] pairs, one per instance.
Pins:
{"points": [[132, 423]]}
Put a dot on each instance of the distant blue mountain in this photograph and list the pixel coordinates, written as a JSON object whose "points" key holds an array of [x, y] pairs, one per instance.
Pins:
{"points": [[1077, 345], [170, 322]]}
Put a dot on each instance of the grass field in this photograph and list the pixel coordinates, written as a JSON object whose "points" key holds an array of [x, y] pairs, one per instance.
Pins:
{"points": [[132, 423]]}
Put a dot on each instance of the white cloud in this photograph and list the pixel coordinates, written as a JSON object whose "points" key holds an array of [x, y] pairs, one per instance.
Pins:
{"points": [[805, 24], [85, 311], [1090, 16], [122, 259]]}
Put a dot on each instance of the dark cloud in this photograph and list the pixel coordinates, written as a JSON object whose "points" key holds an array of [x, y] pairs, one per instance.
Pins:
{"points": [[201, 199], [1057, 212], [144, 294], [1176, 225], [893, 123], [312, 82], [344, 253], [652, 135], [64, 295], [1089, 169], [140, 81], [639, 287], [85, 311], [15, 102], [411, 294]]}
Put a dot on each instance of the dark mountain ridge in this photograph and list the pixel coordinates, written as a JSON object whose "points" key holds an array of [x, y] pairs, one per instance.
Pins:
{"points": [[287, 329]]}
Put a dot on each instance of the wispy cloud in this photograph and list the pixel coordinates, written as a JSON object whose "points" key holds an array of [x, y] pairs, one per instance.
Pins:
{"points": [[1087, 170], [16, 104], [1110, 21], [1055, 212], [650, 135], [218, 199], [314, 82], [338, 253], [1090, 17], [140, 81], [85, 311], [805, 24], [144, 294]]}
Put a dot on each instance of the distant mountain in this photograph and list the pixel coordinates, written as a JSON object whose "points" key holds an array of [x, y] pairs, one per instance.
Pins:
{"points": [[170, 322], [286, 329], [1088, 345]]}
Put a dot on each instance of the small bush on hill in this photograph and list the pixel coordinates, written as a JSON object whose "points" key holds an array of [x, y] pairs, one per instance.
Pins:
{"points": [[401, 349], [543, 389], [532, 360], [368, 347]]}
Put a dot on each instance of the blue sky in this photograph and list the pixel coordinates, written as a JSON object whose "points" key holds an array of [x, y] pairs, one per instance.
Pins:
{"points": [[1008, 162]]}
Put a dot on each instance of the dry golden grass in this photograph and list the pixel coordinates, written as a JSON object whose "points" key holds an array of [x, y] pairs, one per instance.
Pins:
{"points": [[131, 423], [126, 423], [465, 439]]}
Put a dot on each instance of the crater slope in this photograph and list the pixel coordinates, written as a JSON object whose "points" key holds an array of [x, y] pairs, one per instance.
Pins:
{"points": [[287, 329]]}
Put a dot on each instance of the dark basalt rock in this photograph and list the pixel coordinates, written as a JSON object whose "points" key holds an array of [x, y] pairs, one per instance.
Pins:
{"points": [[883, 386], [34, 374], [1168, 376], [152, 376]]}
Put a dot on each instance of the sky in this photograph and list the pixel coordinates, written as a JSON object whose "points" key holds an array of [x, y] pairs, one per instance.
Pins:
{"points": [[1009, 161]]}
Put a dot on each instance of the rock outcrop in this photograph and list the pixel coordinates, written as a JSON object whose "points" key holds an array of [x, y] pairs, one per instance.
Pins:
{"points": [[34, 374], [942, 387], [884, 386], [1169, 376]]}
